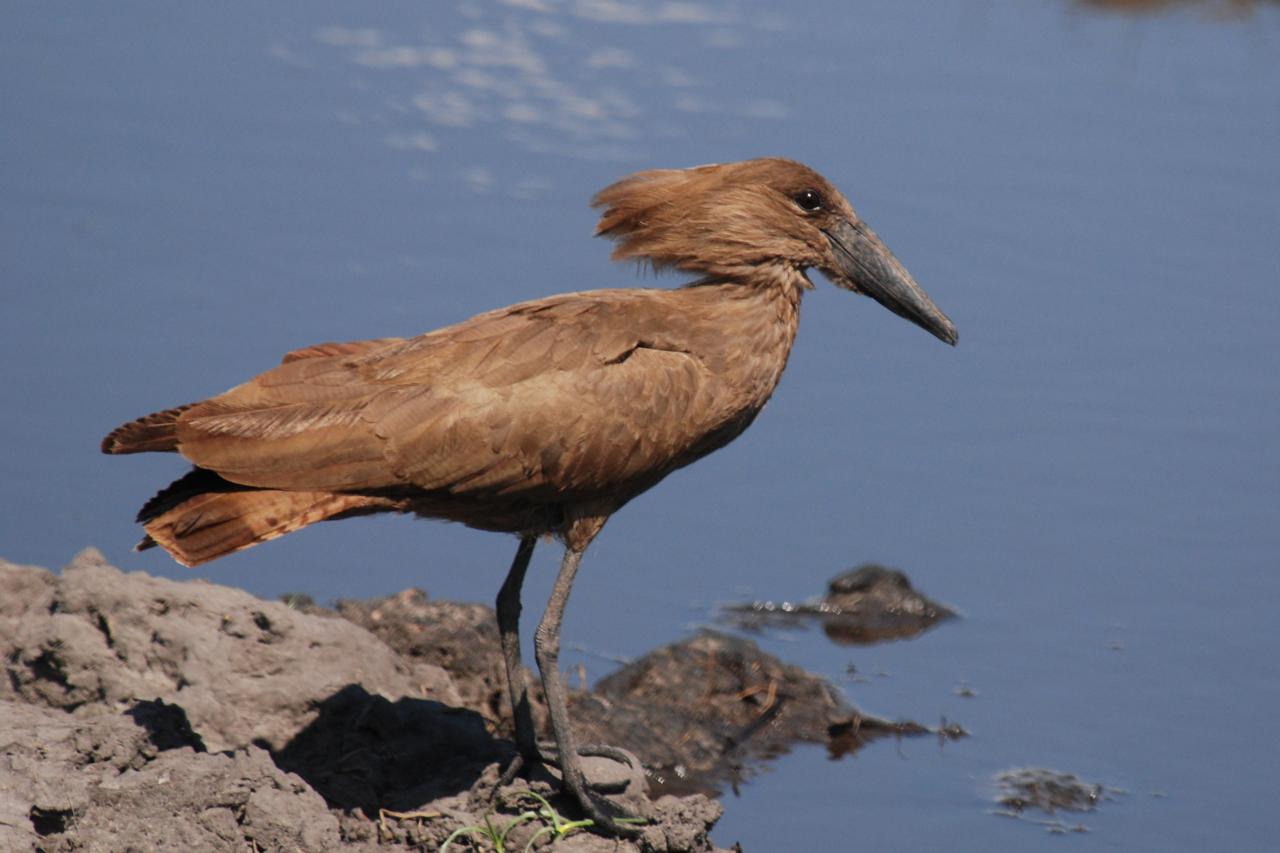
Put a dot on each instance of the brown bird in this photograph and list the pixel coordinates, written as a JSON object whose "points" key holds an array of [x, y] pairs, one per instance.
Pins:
{"points": [[542, 418]]}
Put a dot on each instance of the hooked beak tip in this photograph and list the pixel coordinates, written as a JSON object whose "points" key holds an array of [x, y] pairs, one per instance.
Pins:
{"points": [[948, 334]]}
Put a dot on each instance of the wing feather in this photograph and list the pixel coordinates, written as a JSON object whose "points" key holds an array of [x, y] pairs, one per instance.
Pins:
{"points": [[566, 397], [332, 348]]}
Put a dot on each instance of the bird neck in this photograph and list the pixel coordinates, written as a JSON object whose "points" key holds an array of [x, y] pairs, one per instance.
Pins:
{"points": [[751, 325], [771, 291]]}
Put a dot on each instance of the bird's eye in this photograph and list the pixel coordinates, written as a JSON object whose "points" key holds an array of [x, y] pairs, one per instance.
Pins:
{"points": [[810, 201]]}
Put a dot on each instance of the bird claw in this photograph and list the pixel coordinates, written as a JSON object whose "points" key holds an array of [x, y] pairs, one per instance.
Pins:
{"points": [[547, 755], [591, 798], [509, 773], [550, 755], [606, 816]]}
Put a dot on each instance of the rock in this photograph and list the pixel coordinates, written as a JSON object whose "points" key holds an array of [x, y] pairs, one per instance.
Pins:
{"points": [[711, 709], [245, 671], [869, 604], [1023, 791], [1047, 790], [109, 782], [872, 603]]}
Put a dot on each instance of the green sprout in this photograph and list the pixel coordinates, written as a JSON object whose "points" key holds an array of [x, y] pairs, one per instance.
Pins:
{"points": [[496, 837], [555, 825]]}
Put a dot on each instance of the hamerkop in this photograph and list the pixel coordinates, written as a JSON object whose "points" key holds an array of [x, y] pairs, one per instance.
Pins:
{"points": [[542, 418]]}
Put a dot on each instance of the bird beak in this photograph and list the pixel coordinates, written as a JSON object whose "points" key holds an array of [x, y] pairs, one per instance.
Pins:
{"points": [[867, 266]]}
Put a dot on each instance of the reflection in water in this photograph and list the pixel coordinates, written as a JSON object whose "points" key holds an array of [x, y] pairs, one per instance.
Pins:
{"points": [[1219, 8], [550, 80], [851, 735]]}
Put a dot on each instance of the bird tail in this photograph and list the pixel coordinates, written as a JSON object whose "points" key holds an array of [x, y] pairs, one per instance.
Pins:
{"points": [[202, 516], [155, 432]]}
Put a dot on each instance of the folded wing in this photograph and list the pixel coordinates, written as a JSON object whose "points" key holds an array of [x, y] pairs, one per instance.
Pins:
{"points": [[554, 397]]}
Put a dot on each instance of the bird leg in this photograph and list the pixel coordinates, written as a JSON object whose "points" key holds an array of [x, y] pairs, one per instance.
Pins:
{"points": [[546, 645], [529, 750], [508, 611]]}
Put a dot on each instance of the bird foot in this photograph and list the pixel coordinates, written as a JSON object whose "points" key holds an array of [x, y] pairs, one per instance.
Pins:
{"points": [[547, 755], [613, 771]]}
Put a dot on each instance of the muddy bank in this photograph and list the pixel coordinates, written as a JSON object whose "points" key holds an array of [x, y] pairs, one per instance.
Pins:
{"points": [[148, 713], [700, 713]]}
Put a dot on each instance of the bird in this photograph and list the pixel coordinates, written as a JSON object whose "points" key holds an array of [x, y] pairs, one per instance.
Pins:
{"points": [[541, 419]]}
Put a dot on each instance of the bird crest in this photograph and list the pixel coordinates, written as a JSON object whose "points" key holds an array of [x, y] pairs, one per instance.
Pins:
{"points": [[723, 220]]}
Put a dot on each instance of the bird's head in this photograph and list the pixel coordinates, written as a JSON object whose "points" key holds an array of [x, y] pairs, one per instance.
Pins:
{"points": [[765, 218]]}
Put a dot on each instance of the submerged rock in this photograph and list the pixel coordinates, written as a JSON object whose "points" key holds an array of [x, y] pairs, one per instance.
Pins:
{"points": [[1024, 791], [873, 603], [1047, 790], [865, 605]]}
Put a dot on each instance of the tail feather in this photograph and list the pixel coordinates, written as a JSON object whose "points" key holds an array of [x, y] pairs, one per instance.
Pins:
{"points": [[201, 516], [155, 432], [196, 482]]}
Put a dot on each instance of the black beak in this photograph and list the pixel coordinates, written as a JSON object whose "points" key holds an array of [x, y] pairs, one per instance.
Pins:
{"points": [[867, 266]]}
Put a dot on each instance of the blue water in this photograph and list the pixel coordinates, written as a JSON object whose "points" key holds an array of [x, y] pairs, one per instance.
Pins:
{"points": [[1092, 477]]}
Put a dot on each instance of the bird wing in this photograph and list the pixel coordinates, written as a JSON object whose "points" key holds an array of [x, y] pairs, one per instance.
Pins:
{"points": [[343, 348], [571, 396]]}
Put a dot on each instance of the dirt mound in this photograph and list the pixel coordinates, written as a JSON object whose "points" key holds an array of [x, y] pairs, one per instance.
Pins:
{"points": [[142, 713], [707, 710], [127, 781], [244, 670]]}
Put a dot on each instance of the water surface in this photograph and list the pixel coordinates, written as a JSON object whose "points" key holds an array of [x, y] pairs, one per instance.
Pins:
{"points": [[1091, 477]]}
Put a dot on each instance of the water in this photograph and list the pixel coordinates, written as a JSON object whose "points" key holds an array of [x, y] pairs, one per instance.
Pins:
{"points": [[1092, 477]]}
